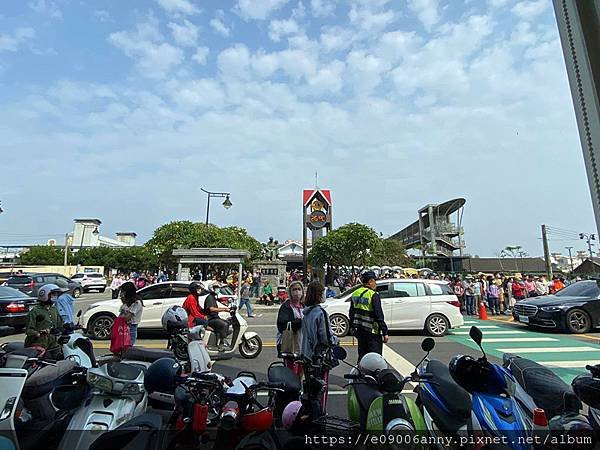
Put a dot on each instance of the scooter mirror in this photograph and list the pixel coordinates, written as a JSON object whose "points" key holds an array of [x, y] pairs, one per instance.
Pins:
{"points": [[427, 345], [340, 353], [476, 335]]}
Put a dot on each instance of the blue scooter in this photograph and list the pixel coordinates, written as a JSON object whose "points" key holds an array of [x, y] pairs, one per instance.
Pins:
{"points": [[471, 403]]}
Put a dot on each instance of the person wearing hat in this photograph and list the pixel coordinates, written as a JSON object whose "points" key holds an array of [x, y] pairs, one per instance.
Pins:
{"points": [[366, 317], [42, 318], [212, 309]]}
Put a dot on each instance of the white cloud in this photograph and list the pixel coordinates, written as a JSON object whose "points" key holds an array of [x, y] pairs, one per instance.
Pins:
{"points": [[530, 9], [46, 7], [258, 9], [498, 3], [12, 42], [154, 58], [185, 34], [201, 55], [328, 79], [198, 94], [234, 62], [372, 16], [178, 6], [282, 28], [102, 15], [322, 8], [426, 11], [218, 25], [366, 71]]}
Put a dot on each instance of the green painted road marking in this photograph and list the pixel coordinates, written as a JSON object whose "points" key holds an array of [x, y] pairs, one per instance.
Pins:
{"points": [[562, 354]]}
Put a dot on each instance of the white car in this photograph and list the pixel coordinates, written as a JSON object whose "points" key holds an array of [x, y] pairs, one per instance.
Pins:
{"points": [[90, 281], [157, 298], [408, 304]]}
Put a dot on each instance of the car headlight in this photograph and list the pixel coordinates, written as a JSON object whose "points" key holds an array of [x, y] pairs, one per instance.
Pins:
{"points": [[550, 308], [99, 382]]}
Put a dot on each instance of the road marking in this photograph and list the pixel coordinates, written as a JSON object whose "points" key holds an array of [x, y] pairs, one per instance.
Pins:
{"points": [[536, 339], [164, 346], [569, 364], [492, 332], [402, 365], [548, 349], [485, 326]]}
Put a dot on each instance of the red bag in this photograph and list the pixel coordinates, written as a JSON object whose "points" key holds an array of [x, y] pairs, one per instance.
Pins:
{"points": [[120, 337]]}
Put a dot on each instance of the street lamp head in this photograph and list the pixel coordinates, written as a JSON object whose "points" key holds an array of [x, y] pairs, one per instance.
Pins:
{"points": [[227, 203], [96, 232], [580, 235]]}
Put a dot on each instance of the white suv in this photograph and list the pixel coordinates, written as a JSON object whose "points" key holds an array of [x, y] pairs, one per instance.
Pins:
{"points": [[408, 304], [90, 281]]}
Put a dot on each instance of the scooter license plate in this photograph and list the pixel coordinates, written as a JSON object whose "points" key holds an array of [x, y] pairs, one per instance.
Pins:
{"points": [[524, 319]]}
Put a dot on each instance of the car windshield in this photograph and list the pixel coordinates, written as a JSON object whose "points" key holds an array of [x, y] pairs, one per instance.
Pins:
{"points": [[588, 288], [226, 290], [347, 291], [6, 292], [78, 275]]}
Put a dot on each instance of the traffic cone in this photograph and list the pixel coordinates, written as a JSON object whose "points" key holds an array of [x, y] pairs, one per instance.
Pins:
{"points": [[482, 312]]}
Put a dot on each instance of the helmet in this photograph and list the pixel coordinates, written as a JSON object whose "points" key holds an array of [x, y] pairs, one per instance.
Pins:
{"points": [[369, 275], [175, 317], [46, 290], [467, 372], [291, 411], [372, 363], [160, 376], [193, 287]]}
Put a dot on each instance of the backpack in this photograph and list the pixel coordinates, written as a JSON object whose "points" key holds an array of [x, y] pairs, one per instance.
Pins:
{"points": [[120, 337]]}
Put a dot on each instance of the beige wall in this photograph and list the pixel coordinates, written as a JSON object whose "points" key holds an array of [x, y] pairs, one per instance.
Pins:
{"points": [[67, 271]]}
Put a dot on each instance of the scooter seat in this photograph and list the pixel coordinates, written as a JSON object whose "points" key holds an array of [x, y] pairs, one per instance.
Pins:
{"points": [[547, 390], [457, 404], [289, 380], [27, 351], [13, 346], [146, 354], [140, 432], [44, 380]]}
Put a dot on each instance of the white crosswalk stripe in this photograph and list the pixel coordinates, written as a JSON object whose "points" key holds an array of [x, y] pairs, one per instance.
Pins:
{"points": [[483, 326], [516, 339], [549, 350], [569, 364], [493, 332]]}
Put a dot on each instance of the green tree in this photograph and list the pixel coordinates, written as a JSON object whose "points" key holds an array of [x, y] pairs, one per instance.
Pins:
{"points": [[128, 259], [43, 255], [390, 252], [94, 256], [350, 245], [186, 234]]}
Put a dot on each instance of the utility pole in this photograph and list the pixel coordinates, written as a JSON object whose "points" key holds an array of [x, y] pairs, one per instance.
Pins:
{"points": [[570, 257], [588, 238], [546, 252], [66, 249]]}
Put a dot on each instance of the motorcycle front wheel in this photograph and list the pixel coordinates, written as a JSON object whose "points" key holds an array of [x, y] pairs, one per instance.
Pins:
{"points": [[251, 348]]}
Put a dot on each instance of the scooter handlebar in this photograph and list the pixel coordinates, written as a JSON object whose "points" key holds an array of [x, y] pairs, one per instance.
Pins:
{"points": [[352, 376], [595, 370]]}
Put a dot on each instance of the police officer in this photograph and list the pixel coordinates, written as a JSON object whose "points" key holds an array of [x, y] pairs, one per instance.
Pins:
{"points": [[42, 318], [366, 317]]}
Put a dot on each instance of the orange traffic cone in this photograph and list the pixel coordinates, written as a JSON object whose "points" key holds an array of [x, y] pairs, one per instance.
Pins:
{"points": [[482, 312]]}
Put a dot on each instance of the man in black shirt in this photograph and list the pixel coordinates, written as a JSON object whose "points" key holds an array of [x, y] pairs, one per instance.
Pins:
{"points": [[214, 321]]}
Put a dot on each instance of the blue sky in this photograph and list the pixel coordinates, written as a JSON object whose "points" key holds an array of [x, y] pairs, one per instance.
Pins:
{"points": [[124, 110]]}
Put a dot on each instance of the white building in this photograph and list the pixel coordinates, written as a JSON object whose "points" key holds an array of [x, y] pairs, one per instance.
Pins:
{"points": [[86, 233]]}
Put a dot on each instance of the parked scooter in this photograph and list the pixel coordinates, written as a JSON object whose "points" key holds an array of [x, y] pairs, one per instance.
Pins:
{"points": [[539, 387], [144, 432], [587, 389], [375, 398], [248, 343], [471, 399], [118, 395]]}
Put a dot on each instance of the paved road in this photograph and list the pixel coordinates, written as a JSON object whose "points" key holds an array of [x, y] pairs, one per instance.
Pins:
{"points": [[565, 354]]}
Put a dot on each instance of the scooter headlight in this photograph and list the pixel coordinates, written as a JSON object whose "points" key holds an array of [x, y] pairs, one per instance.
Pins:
{"points": [[398, 426], [99, 382], [132, 389]]}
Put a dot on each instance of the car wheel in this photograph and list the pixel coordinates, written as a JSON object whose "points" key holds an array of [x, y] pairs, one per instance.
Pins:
{"points": [[76, 292], [339, 325], [578, 321], [100, 326], [436, 325]]}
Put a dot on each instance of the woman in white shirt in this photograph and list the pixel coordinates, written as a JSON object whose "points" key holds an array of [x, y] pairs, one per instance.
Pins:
{"points": [[132, 308]]}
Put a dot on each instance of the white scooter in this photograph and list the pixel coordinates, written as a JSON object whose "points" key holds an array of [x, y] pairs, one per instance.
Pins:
{"points": [[118, 395], [249, 343], [12, 381]]}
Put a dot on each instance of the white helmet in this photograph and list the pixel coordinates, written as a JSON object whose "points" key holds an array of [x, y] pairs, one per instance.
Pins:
{"points": [[47, 289], [372, 363], [175, 317]]}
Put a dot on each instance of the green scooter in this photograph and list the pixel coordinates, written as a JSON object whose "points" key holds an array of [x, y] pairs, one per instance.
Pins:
{"points": [[376, 402]]}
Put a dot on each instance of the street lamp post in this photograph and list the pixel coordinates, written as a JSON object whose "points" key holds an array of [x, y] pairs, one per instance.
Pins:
{"points": [[588, 238], [226, 203], [95, 233], [570, 257]]}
